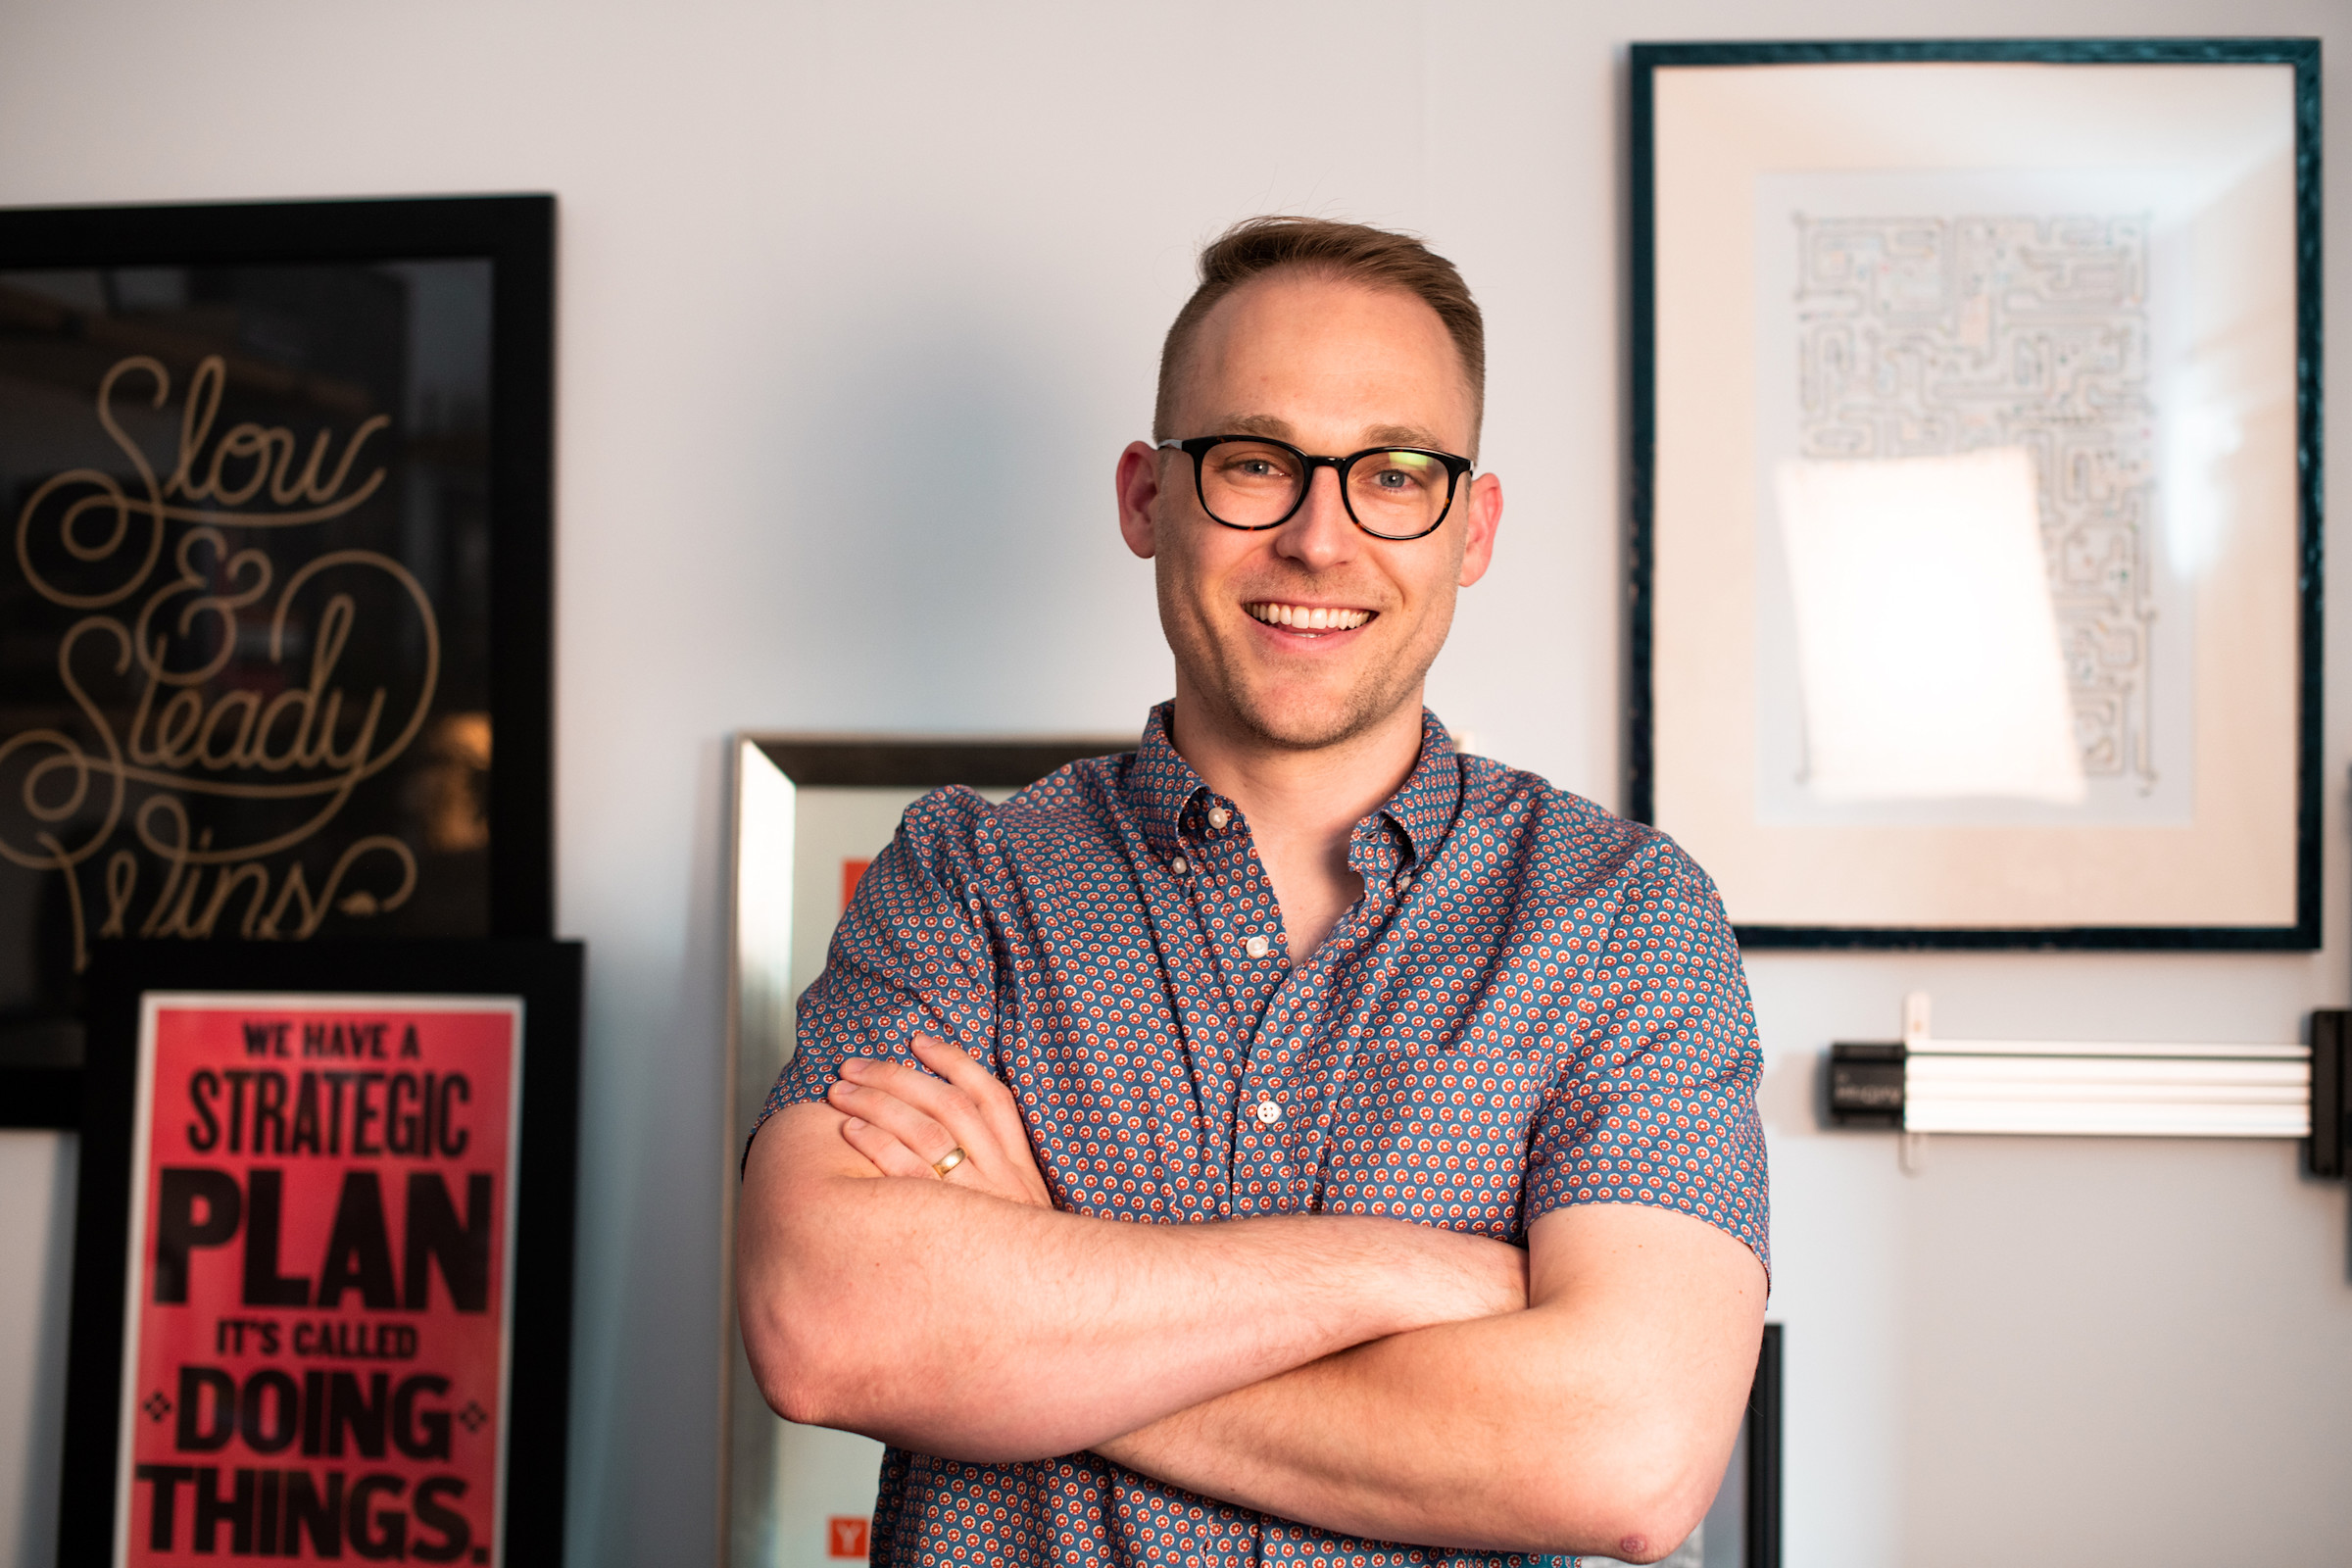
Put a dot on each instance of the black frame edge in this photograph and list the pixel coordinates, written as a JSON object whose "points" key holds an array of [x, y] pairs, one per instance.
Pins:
{"points": [[1764, 1417], [94, 1337], [34, 1097], [826, 762], [2324, 1149], [220, 233], [2310, 493], [1641, 763], [2037, 939], [2111, 51], [546, 1246], [523, 569]]}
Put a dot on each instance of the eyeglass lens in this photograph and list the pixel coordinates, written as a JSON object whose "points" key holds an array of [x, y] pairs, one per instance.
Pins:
{"points": [[1394, 493]]}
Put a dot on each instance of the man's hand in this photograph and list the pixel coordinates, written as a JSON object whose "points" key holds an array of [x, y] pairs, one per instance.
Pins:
{"points": [[905, 1122]]}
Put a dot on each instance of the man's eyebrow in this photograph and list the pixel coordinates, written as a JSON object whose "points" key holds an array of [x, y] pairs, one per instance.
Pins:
{"points": [[1255, 424], [1374, 435], [1402, 435]]}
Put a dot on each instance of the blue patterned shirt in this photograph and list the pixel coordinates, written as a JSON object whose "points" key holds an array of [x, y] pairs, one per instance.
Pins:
{"points": [[1533, 1003]]}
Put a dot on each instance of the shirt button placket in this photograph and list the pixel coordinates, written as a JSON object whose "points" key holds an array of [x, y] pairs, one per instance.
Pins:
{"points": [[1268, 1113]]}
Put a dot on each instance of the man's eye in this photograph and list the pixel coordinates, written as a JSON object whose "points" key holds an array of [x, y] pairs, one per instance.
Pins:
{"points": [[1257, 469]]}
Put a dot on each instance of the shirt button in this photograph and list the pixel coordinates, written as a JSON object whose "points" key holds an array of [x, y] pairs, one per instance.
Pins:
{"points": [[1257, 947], [1180, 866], [1268, 1113], [1218, 817]]}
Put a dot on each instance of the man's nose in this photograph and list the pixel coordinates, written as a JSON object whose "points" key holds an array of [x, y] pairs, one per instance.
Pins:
{"points": [[1320, 533]]}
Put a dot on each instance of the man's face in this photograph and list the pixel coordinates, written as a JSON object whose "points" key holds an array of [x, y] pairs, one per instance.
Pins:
{"points": [[1311, 633]]}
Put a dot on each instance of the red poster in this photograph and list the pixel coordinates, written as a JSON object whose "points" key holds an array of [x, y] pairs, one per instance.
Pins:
{"points": [[317, 1326], [852, 871]]}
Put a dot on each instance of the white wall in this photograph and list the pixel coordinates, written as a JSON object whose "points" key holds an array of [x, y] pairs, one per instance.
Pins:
{"points": [[858, 302]]}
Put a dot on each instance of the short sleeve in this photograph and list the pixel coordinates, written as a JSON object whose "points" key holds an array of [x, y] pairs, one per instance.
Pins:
{"points": [[1657, 1104], [910, 956]]}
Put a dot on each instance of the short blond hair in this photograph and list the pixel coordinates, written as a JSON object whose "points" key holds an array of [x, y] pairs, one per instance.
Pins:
{"points": [[1377, 257]]}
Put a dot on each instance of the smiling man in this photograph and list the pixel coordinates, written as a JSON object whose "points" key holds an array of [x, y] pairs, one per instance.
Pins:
{"points": [[1427, 1091]]}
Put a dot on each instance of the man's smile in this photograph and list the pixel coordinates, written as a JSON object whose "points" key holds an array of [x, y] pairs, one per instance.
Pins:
{"points": [[1311, 619]]}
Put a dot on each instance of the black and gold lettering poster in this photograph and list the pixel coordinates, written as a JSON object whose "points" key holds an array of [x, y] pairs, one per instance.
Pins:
{"points": [[267, 567]]}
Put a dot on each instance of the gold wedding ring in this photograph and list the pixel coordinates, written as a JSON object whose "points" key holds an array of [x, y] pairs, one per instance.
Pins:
{"points": [[949, 1161]]}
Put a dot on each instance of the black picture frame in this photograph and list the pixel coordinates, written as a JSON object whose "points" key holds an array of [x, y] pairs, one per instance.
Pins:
{"points": [[1760, 1444], [548, 977], [2302, 54], [515, 235]]}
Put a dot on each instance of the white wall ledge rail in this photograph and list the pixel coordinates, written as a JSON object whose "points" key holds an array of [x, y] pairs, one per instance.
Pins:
{"points": [[2099, 1089], [2110, 1090]]}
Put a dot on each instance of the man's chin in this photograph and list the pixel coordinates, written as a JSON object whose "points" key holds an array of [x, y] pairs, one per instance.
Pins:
{"points": [[1302, 721]]}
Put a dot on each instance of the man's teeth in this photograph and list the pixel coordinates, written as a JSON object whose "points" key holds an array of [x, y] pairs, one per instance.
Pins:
{"points": [[1304, 618]]}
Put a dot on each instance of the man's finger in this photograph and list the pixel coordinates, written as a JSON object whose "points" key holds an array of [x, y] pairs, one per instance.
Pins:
{"points": [[968, 1125], [883, 1150], [957, 1065], [998, 1111], [935, 1096], [925, 1135]]}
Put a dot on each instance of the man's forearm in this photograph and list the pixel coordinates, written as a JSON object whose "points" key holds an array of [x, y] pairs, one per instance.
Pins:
{"points": [[970, 1328], [1597, 1421], [1447, 1436]]}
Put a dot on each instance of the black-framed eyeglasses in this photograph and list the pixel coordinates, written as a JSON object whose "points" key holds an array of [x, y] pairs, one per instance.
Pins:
{"points": [[1255, 482]]}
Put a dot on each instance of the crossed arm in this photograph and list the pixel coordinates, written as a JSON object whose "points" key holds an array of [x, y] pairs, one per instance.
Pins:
{"points": [[1368, 1376]]}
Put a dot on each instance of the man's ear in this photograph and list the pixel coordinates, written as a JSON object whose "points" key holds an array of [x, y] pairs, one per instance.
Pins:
{"points": [[1485, 517], [1139, 498]]}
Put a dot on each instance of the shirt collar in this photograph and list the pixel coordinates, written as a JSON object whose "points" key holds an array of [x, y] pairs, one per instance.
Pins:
{"points": [[1161, 785], [1161, 788], [1426, 804]]}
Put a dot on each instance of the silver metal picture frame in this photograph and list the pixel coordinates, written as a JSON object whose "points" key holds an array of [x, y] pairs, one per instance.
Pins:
{"points": [[811, 811]]}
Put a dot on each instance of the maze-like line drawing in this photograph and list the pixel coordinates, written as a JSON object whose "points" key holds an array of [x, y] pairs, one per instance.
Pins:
{"points": [[1920, 336]]}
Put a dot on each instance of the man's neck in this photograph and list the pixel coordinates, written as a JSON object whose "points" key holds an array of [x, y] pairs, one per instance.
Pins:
{"points": [[1300, 804]]}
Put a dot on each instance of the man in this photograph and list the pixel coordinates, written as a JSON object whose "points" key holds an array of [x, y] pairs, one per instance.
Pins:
{"points": [[1427, 1090]]}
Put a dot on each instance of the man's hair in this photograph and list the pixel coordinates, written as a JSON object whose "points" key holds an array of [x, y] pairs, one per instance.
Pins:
{"points": [[1377, 257]]}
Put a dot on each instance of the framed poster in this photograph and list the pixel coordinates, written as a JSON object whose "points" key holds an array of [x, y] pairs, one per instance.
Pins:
{"points": [[810, 813], [321, 1287], [1977, 537], [277, 584]]}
